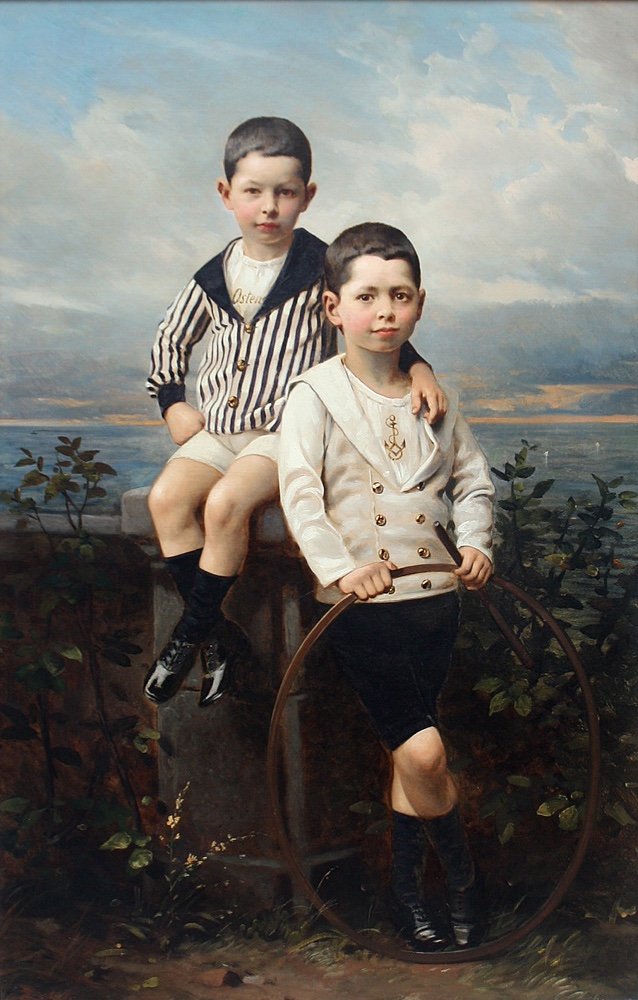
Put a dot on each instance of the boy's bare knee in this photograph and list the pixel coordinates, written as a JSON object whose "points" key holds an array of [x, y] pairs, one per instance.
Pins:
{"points": [[422, 756], [227, 507]]}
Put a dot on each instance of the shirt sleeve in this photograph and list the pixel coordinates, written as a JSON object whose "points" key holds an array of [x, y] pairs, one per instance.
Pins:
{"points": [[471, 491], [408, 356], [301, 454], [185, 323]]}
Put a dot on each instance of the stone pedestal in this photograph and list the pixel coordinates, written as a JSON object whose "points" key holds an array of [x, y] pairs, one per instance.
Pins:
{"points": [[220, 751]]}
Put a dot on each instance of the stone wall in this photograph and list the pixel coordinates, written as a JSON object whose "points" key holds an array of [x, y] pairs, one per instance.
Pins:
{"points": [[221, 750]]}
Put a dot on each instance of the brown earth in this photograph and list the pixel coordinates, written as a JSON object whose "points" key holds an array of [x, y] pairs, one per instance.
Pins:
{"points": [[45, 961]]}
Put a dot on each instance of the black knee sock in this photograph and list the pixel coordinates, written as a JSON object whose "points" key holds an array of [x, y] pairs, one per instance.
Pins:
{"points": [[203, 607], [183, 569], [407, 855], [447, 836]]}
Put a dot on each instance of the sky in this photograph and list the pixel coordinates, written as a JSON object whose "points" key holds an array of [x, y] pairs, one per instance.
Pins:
{"points": [[501, 137]]}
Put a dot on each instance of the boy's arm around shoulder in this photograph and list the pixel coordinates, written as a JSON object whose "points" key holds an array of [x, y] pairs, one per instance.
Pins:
{"points": [[425, 390], [301, 460]]}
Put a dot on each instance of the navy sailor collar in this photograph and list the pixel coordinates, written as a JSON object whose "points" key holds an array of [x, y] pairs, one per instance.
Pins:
{"points": [[302, 268]]}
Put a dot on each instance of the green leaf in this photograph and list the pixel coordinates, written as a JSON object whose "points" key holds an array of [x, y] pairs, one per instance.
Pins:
{"points": [[569, 818], [500, 702], [519, 780], [371, 809], [541, 488], [618, 812], [506, 833], [118, 842], [14, 806], [523, 705], [34, 478], [552, 806], [136, 931], [488, 685], [500, 475], [140, 858], [71, 653], [151, 984], [149, 734], [104, 469]]}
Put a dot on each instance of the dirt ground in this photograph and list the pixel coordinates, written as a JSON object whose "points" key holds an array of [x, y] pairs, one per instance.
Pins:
{"points": [[45, 961]]}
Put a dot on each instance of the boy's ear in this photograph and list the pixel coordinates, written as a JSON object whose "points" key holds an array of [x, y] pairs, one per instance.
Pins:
{"points": [[422, 297], [331, 308], [223, 190], [311, 190]]}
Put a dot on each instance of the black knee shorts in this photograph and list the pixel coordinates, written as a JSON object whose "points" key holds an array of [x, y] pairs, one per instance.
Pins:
{"points": [[396, 656]]}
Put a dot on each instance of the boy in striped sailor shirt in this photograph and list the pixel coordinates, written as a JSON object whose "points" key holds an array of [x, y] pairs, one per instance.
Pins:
{"points": [[258, 304]]}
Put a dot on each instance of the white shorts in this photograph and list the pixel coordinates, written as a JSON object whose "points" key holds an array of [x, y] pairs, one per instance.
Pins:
{"points": [[221, 450]]}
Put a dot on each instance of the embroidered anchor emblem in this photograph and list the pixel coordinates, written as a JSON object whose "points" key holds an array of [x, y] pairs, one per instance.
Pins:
{"points": [[393, 448]]}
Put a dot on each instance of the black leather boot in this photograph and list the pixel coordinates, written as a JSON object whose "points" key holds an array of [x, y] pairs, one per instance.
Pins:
{"points": [[410, 916], [170, 669], [464, 897], [220, 654]]}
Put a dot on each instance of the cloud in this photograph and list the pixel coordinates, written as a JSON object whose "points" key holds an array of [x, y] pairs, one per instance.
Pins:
{"points": [[507, 155]]}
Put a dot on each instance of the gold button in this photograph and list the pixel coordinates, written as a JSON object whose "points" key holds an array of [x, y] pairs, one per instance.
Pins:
{"points": [[424, 553], [249, 328], [233, 402], [383, 554], [380, 519], [420, 518], [377, 488], [242, 365], [420, 486], [391, 590], [426, 584]]}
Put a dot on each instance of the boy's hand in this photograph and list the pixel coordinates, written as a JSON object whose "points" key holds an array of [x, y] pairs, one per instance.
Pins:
{"points": [[475, 570], [427, 391], [183, 422], [367, 581]]}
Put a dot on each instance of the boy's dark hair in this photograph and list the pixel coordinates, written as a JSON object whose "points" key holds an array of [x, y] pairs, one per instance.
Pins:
{"points": [[368, 238], [271, 137]]}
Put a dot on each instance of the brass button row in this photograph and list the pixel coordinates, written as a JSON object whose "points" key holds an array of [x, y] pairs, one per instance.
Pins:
{"points": [[242, 365], [377, 487], [233, 402], [381, 519]]}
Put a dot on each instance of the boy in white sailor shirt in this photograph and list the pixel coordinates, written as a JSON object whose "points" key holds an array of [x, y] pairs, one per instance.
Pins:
{"points": [[362, 480], [257, 308]]}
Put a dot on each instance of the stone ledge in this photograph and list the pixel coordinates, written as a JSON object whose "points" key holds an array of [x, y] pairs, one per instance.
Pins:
{"points": [[268, 525]]}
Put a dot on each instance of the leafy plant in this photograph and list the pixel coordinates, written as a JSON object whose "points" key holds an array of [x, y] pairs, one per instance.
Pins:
{"points": [[58, 625], [566, 556]]}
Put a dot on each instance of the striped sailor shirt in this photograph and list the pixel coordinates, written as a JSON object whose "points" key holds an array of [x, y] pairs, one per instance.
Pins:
{"points": [[247, 367]]}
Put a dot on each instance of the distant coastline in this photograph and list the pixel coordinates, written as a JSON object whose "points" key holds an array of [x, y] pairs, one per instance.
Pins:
{"points": [[536, 418]]}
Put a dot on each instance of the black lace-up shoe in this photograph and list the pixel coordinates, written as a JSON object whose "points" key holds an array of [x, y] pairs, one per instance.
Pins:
{"points": [[169, 671], [414, 923], [219, 656], [467, 918]]}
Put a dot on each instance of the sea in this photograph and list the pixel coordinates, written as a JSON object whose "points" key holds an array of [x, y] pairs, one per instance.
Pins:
{"points": [[571, 454]]}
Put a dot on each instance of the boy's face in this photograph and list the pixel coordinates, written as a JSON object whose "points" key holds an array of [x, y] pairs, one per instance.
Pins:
{"points": [[378, 307], [266, 195]]}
